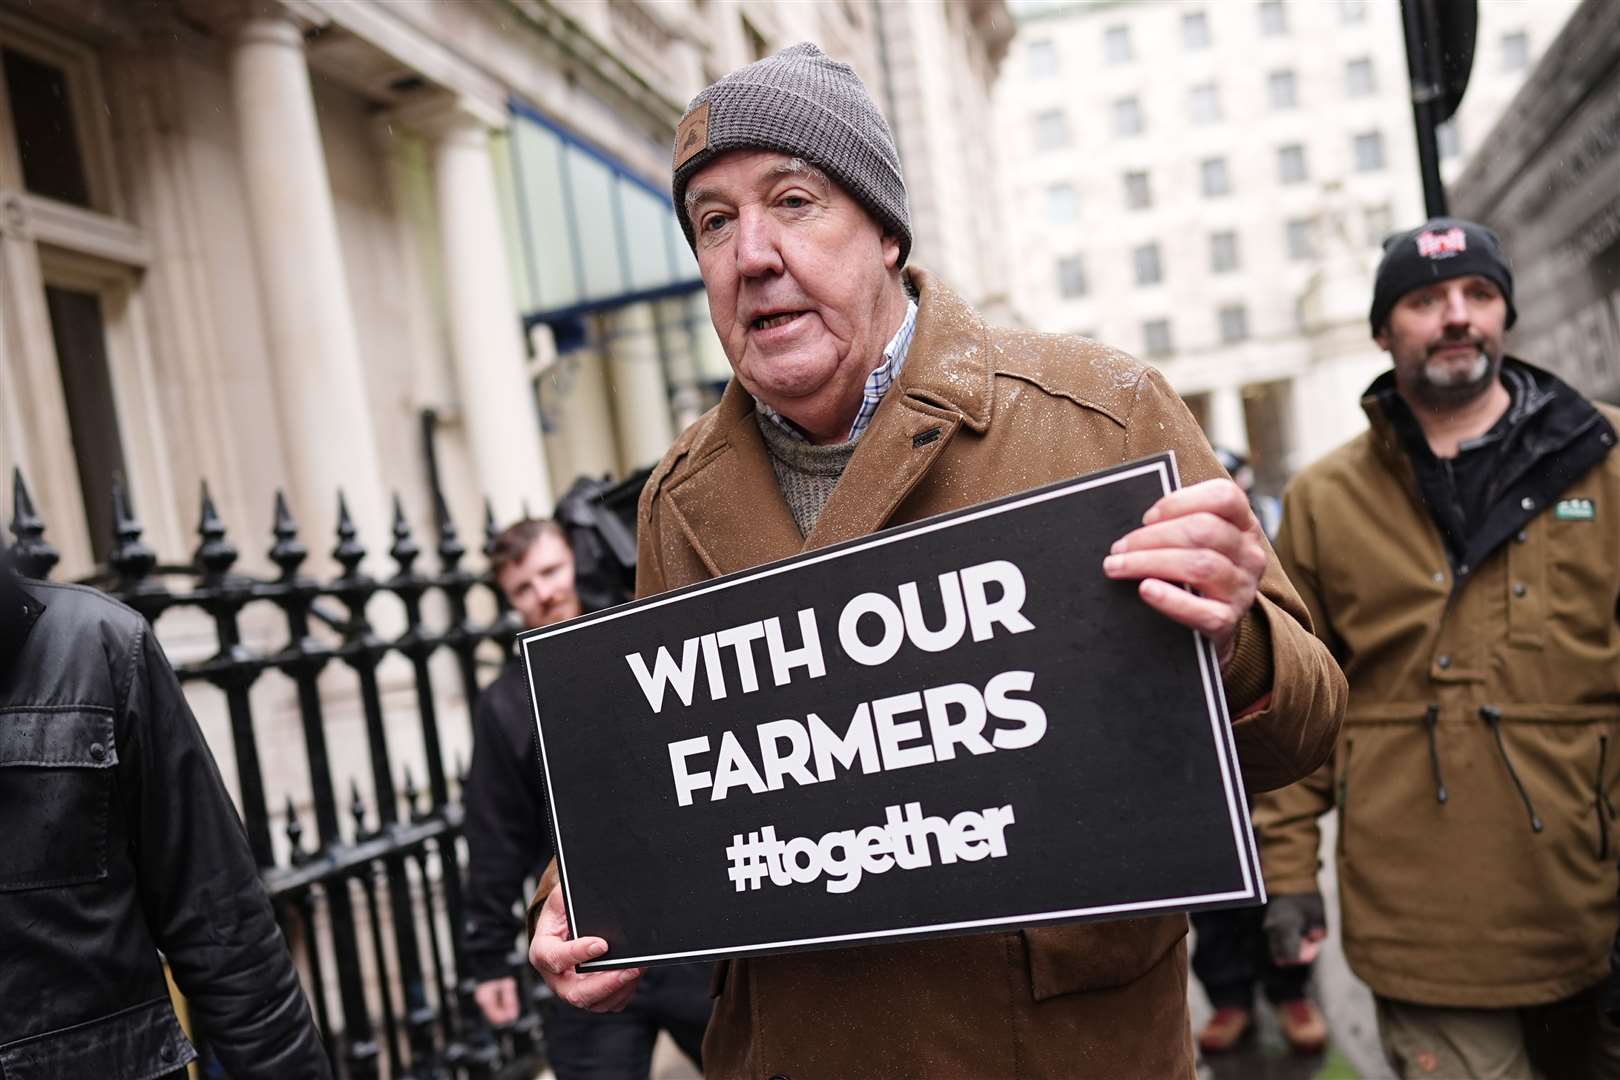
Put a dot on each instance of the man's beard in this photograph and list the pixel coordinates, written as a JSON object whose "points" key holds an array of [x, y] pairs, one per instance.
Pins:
{"points": [[1444, 386]]}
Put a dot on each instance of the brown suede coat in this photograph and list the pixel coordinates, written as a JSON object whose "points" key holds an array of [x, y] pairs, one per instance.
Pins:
{"points": [[1018, 409], [1460, 902]]}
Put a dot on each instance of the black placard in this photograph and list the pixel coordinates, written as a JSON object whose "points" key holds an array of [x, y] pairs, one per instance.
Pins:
{"points": [[1128, 802]]}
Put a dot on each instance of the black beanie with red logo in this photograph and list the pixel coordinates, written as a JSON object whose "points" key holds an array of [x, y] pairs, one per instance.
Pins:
{"points": [[1438, 250]]}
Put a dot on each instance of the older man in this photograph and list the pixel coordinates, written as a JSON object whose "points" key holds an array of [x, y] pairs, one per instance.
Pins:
{"points": [[867, 395]]}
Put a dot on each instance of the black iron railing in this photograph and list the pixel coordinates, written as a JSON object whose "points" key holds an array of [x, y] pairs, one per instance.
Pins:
{"points": [[371, 903]]}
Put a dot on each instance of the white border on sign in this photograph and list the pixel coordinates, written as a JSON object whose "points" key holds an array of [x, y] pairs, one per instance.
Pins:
{"points": [[1214, 699]]}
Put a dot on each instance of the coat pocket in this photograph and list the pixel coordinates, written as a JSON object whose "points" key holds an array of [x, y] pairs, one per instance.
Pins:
{"points": [[138, 1043], [56, 792], [1097, 956]]}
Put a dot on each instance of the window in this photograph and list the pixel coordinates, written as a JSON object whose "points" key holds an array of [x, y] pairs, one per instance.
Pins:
{"points": [[78, 329], [1234, 322], [1146, 260], [1515, 51], [48, 141], [1352, 11], [1071, 277], [1212, 178], [1291, 164], [1358, 78], [1062, 204], [1204, 104], [1282, 90], [1042, 59], [1300, 245], [1223, 252], [1377, 222], [1273, 18], [1156, 338], [1127, 116], [1117, 44], [1051, 129], [1194, 31], [1138, 192], [1369, 148], [1446, 136]]}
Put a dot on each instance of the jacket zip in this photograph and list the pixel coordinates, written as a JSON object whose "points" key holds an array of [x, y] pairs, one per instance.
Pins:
{"points": [[1344, 793], [1493, 717], [1431, 720], [1599, 798]]}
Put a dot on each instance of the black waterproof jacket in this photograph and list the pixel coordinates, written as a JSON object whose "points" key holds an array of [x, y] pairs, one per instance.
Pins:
{"points": [[508, 839], [117, 840]]}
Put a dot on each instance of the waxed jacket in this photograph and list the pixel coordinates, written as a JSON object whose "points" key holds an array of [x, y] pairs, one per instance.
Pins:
{"points": [[977, 413], [1474, 774], [120, 840]]}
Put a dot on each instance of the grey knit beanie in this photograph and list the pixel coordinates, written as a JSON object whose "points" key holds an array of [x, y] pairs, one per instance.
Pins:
{"points": [[804, 103]]}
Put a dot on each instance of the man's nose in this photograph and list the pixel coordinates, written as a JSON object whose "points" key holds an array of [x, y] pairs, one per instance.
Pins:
{"points": [[1456, 310], [757, 251]]}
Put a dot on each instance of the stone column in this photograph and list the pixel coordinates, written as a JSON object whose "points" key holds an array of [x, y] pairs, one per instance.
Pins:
{"points": [[636, 381], [681, 365], [318, 375], [1228, 428], [498, 414]]}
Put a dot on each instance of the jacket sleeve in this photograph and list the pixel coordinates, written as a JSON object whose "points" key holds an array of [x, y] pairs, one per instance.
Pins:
{"points": [[1285, 820], [1287, 729], [200, 890], [506, 836]]}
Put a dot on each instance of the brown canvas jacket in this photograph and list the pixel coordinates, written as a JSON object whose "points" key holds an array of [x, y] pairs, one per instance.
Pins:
{"points": [[1015, 410], [1457, 888]]}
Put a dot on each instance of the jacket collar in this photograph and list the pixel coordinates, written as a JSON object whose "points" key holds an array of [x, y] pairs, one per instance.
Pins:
{"points": [[729, 504], [19, 611]]}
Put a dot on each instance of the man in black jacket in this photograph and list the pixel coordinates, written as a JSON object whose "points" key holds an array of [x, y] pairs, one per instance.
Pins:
{"points": [[508, 840], [119, 841]]}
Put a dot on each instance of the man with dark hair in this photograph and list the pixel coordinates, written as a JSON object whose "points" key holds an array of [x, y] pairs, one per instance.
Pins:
{"points": [[508, 841], [1462, 560], [118, 841], [867, 394]]}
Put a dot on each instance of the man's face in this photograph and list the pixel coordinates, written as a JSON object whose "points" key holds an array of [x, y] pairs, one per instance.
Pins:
{"points": [[799, 279], [541, 584], [1446, 340]]}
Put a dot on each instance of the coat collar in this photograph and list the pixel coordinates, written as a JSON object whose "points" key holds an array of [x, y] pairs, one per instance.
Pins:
{"points": [[729, 504], [19, 611]]}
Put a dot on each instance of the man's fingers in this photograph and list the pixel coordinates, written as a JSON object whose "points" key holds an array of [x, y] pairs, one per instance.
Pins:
{"points": [[603, 991], [1220, 497], [1213, 618], [1309, 950], [1210, 572], [1200, 530], [556, 956]]}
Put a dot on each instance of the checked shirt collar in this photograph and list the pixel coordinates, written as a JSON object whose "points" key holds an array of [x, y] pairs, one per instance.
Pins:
{"points": [[877, 384]]}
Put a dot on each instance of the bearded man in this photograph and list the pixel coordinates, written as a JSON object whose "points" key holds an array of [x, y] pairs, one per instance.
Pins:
{"points": [[867, 394], [1462, 560]]}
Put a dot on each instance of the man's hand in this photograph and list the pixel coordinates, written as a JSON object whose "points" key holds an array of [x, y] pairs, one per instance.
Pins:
{"points": [[1204, 536], [554, 955], [1296, 925], [498, 998]]}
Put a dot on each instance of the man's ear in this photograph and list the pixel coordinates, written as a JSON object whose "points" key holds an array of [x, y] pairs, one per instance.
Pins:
{"points": [[891, 250], [1382, 337]]}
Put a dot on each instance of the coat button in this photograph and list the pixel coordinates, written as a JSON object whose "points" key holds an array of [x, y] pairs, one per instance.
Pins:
{"points": [[1527, 503], [1462, 571], [1439, 577], [167, 1052], [1520, 588], [1444, 661], [1522, 537], [97, 751], [780, 1076]]}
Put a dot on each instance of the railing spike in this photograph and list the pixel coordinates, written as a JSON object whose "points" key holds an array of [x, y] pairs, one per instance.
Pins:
{"points": [[491, 531], [405, 549], [451, 549], [215, 554], [130, 557], [411, 793], [34, 557], [288, 552], [294, 830], [349, 551], [357, 807]]}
